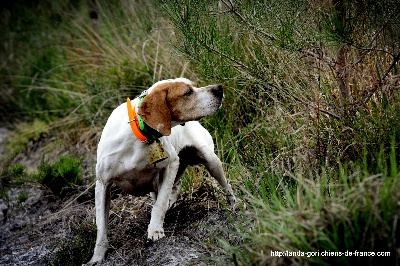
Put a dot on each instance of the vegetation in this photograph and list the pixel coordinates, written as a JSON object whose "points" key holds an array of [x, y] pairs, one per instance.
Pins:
{"points": [[309, 133], [78, 249], [60, 177], [313, 104], [350, 210], [11, 174]]}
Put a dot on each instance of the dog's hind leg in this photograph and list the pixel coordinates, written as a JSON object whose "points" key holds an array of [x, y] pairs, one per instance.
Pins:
{"points": [[102, 198]]}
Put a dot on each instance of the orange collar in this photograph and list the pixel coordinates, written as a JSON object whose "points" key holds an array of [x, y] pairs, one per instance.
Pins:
{"points": [[133, 121]]}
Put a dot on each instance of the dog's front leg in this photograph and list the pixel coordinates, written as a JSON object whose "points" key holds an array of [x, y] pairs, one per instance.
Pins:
{"points": [[155, 230], [214, 166], [177, 185], [102, 201]]}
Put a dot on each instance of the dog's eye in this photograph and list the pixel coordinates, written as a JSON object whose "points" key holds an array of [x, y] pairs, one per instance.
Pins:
{"points": [[188, 92]]}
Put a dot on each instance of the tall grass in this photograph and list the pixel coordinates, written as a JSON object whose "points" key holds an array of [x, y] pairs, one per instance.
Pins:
{"points": [[309, 214], [84, 68]]}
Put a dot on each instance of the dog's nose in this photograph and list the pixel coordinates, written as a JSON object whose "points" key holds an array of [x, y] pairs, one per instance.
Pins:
{"points": [[217, 90]]}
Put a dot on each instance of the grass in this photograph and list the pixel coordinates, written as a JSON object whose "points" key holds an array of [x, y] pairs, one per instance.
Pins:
{"points": [[351, 210], [80, 72], [313, 177], [310, 147], [25, 134], [22, 197], [13, 173]]}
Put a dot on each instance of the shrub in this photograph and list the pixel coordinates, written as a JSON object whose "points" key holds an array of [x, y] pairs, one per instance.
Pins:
{"points": [[22, 197], [62, 176], [321, 76], [12, 174]]}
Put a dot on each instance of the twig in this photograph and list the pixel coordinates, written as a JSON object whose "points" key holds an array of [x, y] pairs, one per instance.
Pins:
{"points": [[323, 58], [380, 81], [322, 110], [369, 46], [317, 108], [226, 56], [86, 190], [229, 4]]}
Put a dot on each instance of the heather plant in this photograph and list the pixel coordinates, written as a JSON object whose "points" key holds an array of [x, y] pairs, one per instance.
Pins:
{"points": [[329, 75]]}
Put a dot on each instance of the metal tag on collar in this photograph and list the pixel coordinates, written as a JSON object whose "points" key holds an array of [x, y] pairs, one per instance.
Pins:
{"points": [[155, 151], [143, 94]]}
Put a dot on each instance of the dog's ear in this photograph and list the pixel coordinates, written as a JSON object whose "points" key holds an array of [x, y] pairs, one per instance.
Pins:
{"points": [[155, 112]]}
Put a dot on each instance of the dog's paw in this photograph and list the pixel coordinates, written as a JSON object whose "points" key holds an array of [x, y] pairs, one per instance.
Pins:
{"points": [[96, 260], [155, 234], [233, 202], [99, 253], [92, 263]]}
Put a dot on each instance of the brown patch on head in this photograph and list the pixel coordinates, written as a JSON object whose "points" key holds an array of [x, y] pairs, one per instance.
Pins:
{"points": [[154, 110], [155, 107], [179, 101]]}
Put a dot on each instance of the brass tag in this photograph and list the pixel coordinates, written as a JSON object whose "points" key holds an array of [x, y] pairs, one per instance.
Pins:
{"points": [[155, 152]]}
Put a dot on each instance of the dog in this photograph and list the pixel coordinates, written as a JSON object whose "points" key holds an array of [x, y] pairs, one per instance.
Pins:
{"points": [[169, 111]]}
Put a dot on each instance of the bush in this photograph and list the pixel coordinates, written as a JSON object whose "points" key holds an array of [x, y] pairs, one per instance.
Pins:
{"points": [[12, 174], [61, 177], [310, 76], [310, 120]]}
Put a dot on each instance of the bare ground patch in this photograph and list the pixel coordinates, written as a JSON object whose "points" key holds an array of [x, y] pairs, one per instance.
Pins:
{"points": [[48, 231]]}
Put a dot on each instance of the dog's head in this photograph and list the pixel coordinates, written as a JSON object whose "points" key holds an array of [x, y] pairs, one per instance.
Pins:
{"points": [[178, 100]]}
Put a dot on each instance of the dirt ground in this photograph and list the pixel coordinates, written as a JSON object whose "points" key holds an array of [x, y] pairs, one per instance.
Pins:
{"points": [[36, 234], [45, 230]]}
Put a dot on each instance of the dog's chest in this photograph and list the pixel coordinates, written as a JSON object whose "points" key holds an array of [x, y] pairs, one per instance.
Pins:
{"points": [[139, 182]]}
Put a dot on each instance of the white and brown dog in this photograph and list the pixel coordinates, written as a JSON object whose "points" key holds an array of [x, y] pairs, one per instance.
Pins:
{"points": [[122, 156]]}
